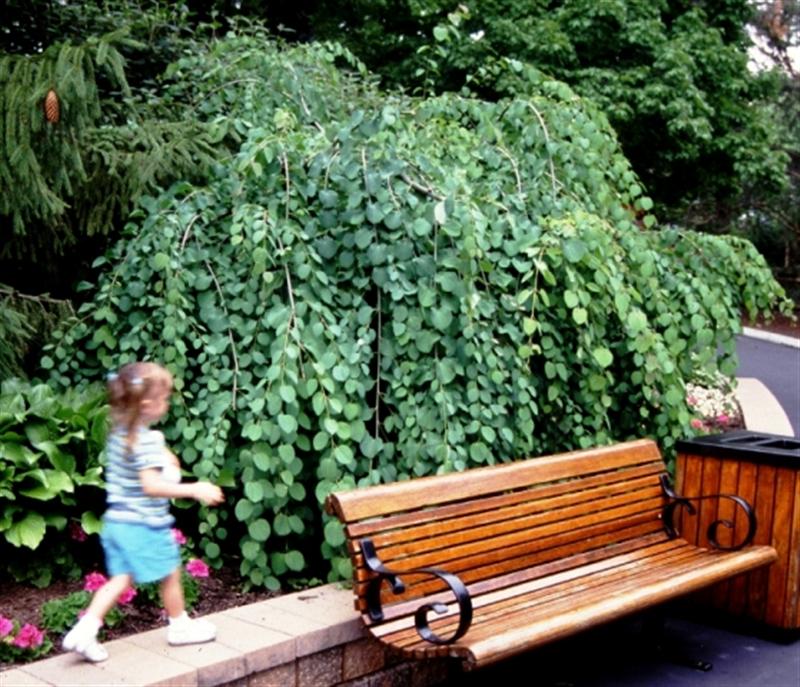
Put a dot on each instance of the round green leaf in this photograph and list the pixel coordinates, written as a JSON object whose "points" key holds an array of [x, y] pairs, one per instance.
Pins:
{"points": [[334, 533], [259, 530]]}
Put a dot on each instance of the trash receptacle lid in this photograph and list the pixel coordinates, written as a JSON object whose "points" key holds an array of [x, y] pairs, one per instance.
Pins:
{"points": [[758, 447]]}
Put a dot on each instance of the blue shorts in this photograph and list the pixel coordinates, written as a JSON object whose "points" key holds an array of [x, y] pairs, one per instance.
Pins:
{"points": [[145, 553]]}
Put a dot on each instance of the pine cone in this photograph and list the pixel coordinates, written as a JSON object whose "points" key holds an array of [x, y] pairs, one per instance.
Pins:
{"points": [[52, 109]]}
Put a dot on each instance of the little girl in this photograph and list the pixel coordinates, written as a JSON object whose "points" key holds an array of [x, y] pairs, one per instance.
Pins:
{"points": [[141, 476]]}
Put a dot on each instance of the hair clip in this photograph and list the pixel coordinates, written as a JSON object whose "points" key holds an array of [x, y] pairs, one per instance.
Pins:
{"points": [[136, 381], [111, 376]]}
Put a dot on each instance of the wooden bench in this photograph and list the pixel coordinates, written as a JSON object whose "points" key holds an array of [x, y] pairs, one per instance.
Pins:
{"points": [[509, 557]]}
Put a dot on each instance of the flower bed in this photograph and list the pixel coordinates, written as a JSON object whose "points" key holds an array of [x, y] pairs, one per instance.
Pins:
{"points": [[712, 398], [40, 617]]}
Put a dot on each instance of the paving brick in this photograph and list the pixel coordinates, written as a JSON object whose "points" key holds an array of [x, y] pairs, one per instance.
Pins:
{"points": [[279, 676], [214, 662], [358, 682], [313, 634], [262, 647], [241, 682], [19, 678], [431, 672], [265, 614], [127, 664], [332, 636], [320, 669], [398, 676], [331, 609], [362, 657], [332, 596]]}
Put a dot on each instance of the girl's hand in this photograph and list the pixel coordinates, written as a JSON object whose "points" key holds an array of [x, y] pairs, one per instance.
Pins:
{"points": [[207, 493]]}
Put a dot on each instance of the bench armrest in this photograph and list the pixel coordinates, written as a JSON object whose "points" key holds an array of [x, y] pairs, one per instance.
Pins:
{"points": [[675, 501], [373, 595]]}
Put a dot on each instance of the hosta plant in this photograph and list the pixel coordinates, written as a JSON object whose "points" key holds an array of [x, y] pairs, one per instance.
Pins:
{"points": [[50, 476]]}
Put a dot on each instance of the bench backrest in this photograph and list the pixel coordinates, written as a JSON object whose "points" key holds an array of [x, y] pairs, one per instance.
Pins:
{"points": [[491, 525]]}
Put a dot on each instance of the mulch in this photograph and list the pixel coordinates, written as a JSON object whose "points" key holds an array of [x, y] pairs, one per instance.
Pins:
{"points": [[779, 324]]}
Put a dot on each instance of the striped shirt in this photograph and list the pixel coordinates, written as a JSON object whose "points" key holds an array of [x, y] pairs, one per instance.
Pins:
{"points": [[125, 497]]}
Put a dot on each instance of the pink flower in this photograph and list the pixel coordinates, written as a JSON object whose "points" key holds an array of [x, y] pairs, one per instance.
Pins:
{"points": [[697, 423], [127, 596], [29, 637], [691, 400], [196, 568], [93, 581], [723, 419], [179, 537], [76, 532], [6, 626]]}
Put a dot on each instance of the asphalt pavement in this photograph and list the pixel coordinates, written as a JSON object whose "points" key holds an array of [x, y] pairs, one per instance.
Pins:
{"points": [[615, 655], [778, 367]]}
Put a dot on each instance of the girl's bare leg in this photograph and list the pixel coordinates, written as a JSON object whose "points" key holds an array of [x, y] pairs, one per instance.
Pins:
{"points": [[105, 597], [172, 594], [83, 636]]}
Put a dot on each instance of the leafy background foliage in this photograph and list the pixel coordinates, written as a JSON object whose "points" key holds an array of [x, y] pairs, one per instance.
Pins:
{"points": [[50, 476], [670, 75], [377, 286]]}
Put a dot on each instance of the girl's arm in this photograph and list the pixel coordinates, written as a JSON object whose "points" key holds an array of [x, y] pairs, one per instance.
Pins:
{"points": [[172, 458], [154, 485]]}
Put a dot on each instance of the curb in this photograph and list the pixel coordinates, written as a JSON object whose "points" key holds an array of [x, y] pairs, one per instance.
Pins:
{"points": [[761, 411], [771, 337]]}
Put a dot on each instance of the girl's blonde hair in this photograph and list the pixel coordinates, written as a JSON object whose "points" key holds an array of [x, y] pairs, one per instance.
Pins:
{"points": [[128, 388]]}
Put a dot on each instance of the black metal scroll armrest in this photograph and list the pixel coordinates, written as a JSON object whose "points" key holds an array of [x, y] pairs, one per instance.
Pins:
{"points": [[676, 501], [373, 595]]}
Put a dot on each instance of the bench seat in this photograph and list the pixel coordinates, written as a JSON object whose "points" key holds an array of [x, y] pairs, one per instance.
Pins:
{"points": [[518, 555]]}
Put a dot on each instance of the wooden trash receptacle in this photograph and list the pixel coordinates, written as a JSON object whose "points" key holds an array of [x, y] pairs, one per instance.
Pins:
{"points": [[764, 469]]}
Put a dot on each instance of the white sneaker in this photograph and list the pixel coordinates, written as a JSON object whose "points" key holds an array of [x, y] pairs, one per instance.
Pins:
{"points": [[191, 631], [94, 652], [81, 640]]}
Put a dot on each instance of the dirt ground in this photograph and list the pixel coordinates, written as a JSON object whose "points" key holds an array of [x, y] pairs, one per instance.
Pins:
{"points": [[780, 324]]}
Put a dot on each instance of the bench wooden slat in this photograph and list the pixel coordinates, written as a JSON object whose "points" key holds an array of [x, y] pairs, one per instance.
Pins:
{"points": [[609, 576], [553, 597], [594, 600], [440, 489], [542, 532], [538, 577], [524, 556], [439, 525], [527, 634], [614, 481]]}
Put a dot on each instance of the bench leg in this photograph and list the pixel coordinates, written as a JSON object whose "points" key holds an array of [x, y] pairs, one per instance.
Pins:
{"points": [[656, 637]]}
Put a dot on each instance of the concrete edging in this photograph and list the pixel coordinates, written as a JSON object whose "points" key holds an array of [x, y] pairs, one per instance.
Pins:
{"points": [[761, 411], [771, 337]]}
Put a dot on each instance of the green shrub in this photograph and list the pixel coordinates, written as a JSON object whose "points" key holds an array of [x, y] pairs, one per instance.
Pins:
{"points": [[59, 615], [50, 477], [377, 287]]}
